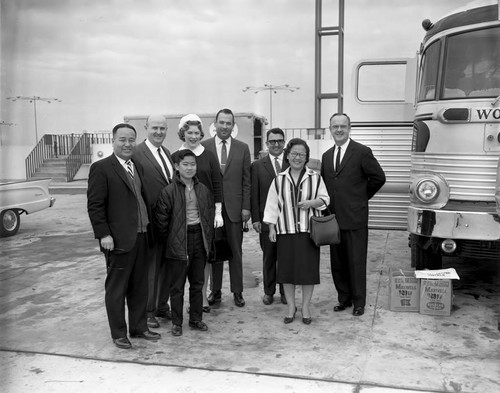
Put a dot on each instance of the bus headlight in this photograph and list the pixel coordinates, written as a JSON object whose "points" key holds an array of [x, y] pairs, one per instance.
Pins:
{"points": [[427, 190]]}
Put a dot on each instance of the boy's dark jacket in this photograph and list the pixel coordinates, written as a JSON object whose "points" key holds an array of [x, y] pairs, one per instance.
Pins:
{"points": [[170, 217]]}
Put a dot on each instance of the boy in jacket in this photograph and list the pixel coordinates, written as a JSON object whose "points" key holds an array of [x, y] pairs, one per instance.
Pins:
{"points": [[184, 215]]}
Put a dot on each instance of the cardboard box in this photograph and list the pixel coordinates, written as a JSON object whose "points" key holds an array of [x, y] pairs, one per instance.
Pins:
{"points": [[436, 296], [404, 291]]}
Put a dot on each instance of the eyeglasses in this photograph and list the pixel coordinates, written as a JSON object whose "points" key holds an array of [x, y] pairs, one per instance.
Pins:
{"points": [[276, 142], [298, 155]]}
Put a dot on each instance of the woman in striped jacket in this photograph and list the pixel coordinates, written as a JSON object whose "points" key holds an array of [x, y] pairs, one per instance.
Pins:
{"points": [[294, 196]]}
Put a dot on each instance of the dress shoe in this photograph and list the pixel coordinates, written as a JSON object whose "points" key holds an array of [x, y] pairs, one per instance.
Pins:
{"points": [[238, 299], [268, 299], [165, 314], [198, 325], [122, 343], [153, 323], [214, 297], [342, 306], [147, 335], [283, 299], [205, 309], [358, 311], [307, 321], [290, 319], [176, 330]]}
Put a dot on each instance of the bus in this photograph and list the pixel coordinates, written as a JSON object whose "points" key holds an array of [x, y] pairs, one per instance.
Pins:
{"points": [[456, 139]]}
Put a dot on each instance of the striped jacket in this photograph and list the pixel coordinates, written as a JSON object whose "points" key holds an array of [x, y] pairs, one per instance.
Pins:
{"points": [[281, 204]]}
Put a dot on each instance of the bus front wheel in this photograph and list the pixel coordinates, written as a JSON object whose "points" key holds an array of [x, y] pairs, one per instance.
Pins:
{"points": [[424, 253]]}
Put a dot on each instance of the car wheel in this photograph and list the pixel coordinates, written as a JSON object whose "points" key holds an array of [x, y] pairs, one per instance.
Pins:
{"points": [[9, 221]]}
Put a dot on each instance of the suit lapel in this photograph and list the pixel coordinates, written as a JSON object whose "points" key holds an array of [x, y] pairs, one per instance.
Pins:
{"points": [[269, 166], [149, 155], [118, 168], [348, 154], [231, 153]]}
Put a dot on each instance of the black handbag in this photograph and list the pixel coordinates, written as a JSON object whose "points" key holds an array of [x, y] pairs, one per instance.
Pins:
{"points": [[221, 251], [324, 230]]}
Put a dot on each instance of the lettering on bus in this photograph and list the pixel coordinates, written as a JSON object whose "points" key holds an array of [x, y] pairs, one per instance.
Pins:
{"points": [[487, 114]]}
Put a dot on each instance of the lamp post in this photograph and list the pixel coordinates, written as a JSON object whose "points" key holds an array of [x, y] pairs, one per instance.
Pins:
{"points": [[34, 99], [3, 123], [272, 89]]}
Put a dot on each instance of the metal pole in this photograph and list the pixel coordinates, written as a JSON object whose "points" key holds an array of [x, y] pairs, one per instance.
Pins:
{"points": [[271, 107], [36, 126]]}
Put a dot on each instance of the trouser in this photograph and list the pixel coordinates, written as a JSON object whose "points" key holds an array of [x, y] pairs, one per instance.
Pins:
{"points": [[194, 271], [348, 264], [234, 234], [158, 280], [126, 280], [269, 259]]}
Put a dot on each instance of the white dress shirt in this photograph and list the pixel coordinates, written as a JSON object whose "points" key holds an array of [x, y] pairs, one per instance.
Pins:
{"points": [[218, 146], [343, 148], [154, 151]]}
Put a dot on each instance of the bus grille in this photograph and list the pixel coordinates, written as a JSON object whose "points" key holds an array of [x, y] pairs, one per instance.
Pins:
{"points": [[470, 177]]}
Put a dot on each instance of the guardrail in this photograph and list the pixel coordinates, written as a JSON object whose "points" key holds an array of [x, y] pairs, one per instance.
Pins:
{"points": [[80, 154], [76, 146]]}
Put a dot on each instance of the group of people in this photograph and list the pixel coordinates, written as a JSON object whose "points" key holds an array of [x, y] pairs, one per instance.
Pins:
{"points": [[155, 213]]}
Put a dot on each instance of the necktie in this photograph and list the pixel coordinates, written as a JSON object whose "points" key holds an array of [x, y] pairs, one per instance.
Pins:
{"points": [[277, 165], [223, 156], [164, 165], [337, 159], [130, 169]]}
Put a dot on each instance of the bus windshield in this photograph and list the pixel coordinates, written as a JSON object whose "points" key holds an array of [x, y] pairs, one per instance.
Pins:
{"points": [[472, 65]]}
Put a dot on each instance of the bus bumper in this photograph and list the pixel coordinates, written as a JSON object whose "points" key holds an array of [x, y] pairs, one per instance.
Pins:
{"points": [[454, 225]]}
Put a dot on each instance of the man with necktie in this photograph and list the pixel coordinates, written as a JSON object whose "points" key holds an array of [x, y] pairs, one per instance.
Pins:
{"points": [[120, 219], [352, 176], [264, 171], [234, 160], [156, 163]]}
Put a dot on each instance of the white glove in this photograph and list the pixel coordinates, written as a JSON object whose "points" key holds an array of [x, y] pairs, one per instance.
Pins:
{"points": [[218, 222]]}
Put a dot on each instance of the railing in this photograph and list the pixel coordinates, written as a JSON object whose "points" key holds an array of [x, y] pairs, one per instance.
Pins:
{"points": [[49, 146], [76, 146], [80, 154]]}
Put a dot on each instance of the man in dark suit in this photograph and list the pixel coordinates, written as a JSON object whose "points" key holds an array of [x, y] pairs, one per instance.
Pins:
{"points": [[234, 159], [120, 220], [264, 171], [352, 176], [156, 163]]}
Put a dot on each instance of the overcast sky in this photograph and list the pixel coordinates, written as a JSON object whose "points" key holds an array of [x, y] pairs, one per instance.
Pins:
{"points": [[109, 58]]}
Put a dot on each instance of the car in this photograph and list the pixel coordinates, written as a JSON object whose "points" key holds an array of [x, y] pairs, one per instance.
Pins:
{"points": [[18, 197]]}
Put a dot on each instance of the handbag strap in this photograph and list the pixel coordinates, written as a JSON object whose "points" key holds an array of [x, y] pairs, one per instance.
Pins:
{"points": [[327, 209]]}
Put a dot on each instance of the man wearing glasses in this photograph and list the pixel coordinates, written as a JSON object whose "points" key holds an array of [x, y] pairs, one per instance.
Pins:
{"points": [[264, 171], [352, 176]]}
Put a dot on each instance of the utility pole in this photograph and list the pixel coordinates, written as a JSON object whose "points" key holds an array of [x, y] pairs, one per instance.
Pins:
{"points": [[34, 99], [272, 89]]}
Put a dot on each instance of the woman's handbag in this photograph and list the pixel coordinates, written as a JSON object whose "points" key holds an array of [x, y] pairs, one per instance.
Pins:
{"points": [[325, 229], [221, 251]]}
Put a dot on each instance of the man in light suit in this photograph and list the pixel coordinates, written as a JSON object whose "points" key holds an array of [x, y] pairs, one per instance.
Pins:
{"points": [[120, 220], [156, 164], [234, 159], [352, 176], [264, 171]]}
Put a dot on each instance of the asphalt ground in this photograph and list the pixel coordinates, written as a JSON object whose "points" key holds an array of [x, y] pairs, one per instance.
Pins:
{"points": [[54, 335]]}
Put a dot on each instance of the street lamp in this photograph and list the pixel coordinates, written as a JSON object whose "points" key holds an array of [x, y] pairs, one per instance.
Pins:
{"points": [[272, 89], [34, 99], [3, 123]]}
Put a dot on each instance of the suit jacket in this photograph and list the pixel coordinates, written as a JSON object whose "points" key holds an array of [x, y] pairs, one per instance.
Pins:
{"points": [[263, 175], [236, 182], [112, 203], [153, 180], [359, 177]]}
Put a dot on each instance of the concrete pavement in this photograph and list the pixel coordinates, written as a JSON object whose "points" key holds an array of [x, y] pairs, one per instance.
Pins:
{"points": [[55, 336]]}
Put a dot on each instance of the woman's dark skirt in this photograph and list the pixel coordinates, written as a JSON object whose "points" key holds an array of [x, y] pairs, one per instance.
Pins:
{"points": [[298, 260]]}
